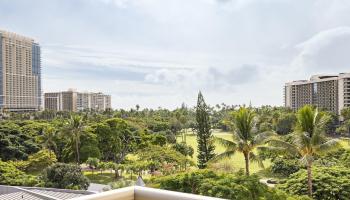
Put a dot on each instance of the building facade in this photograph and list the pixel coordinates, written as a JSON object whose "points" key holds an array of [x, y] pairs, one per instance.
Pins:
{"points": [[329, 92], [20, 73], [76, 101]]}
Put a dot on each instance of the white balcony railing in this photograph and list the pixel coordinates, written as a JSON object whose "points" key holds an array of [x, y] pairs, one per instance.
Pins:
{"points": [[143, 193]]}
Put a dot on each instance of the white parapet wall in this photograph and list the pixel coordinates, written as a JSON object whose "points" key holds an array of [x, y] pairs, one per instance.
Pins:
{"points": [[143, 193]]}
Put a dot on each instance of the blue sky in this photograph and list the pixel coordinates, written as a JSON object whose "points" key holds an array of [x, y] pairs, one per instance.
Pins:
{"points": [[162, 52]]}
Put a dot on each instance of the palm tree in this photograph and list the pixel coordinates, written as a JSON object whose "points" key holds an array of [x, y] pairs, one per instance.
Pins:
{"points": [[245, 137], [308, 140], [47, 138], [73, 130]]}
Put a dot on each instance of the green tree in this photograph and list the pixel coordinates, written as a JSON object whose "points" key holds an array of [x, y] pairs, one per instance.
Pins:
{"points": [[245, 137], [285, 123], [14, 144], [204, 137], [116, 139], [65, 176], [92, 163], [331, 183], [308, 140], [10, 175], [40, 160], [345, 113], [73, 130], [48, 139]]}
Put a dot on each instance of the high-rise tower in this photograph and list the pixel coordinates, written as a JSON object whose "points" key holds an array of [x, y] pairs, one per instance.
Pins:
{"points": [[20, 73]]}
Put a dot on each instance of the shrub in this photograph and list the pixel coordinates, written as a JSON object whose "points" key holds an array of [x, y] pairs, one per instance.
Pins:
{"points": [[65, 176], [285, 123], [236, 187], [331, 183], [285, 167], [40, 160]]}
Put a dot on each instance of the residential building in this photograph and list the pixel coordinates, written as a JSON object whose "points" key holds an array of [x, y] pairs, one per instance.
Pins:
{"points": [[329, 92], [72, 100], [20, 73]]}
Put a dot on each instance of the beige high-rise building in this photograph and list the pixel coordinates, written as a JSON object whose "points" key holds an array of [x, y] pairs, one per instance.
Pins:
{"points": [[330, 92], [76, 101], [20, 73]]}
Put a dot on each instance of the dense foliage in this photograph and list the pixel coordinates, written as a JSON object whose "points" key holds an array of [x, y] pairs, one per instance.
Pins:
{"points": [[331, 183], [10, 175], [285, 167], [237, 186], [204, 137], [65, 176], [120, 145], [14, 144]]}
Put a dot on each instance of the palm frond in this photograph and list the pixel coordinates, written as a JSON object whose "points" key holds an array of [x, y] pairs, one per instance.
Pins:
{"points": [[226, 154], [229, 145], [275, 150], [261, 138], [280, 144], [256, 159]]}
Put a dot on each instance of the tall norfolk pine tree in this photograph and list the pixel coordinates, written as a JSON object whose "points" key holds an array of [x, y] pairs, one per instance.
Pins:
{"points": [[204, 137]]}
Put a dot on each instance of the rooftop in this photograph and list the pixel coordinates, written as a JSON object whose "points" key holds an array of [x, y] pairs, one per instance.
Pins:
{"points": [[35, 193]]}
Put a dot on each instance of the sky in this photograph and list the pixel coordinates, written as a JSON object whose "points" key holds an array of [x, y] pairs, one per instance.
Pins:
{"points": [[160, 53]]}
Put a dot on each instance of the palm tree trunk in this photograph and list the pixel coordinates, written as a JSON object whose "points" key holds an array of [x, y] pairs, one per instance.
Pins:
{"points": [[246, 158], [309, 178], [77, 151]]}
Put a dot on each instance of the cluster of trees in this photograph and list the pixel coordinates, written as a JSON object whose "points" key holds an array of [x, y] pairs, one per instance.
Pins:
{"points": [[228, 186], [101, 140], [135, 141]]}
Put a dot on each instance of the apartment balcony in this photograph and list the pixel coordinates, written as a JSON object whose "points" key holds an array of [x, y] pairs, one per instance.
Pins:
{"points": [[143, 193]]}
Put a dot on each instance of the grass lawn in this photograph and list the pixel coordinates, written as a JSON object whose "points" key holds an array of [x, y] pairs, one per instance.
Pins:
{"points": [[97, 177], [237, 160], [107, 177]]}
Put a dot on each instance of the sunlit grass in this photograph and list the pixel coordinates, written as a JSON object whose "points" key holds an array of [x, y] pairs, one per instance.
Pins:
{"points": [[237, 160]]}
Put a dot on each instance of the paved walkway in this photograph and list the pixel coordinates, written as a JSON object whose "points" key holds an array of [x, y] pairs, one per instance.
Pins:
{"points": [[95, 187]]}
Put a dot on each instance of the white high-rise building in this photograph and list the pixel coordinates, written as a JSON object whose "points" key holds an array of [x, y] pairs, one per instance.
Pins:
{"points": [[76, 101], [330, 92], [20, 73]]}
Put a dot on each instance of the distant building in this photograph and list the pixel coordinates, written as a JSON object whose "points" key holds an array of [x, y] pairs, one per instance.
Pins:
{"points": [[20, 73], [76, 101], [330, 92]]}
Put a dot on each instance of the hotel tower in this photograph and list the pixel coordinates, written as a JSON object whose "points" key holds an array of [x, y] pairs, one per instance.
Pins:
{"points": [[20, 73]]}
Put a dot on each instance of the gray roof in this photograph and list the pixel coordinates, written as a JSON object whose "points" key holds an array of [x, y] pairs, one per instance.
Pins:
{"points": [[36, 193], [18, 196]]}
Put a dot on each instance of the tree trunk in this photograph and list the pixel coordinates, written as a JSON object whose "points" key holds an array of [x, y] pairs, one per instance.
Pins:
{"points": [[309, 178], [246, 158], [116, 172], [77, 151]]}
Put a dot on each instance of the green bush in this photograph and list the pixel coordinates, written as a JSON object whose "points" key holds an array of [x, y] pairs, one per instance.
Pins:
{"points": [[285, 167], [40, 160], [331, 183], [236, 187], [121, 183], [10, 175], [65, 176]]}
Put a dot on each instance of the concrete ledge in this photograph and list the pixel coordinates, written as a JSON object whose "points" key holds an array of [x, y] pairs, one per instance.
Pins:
{"points": [[143, 193]]}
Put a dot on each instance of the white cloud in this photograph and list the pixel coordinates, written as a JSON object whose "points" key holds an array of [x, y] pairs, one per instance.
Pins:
{"points": [[161, 52], [324, 52]]}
